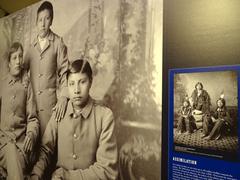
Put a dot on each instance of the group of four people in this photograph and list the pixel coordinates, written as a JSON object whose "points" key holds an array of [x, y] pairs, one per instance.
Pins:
{"points": [[53, 108], [214, 124]]}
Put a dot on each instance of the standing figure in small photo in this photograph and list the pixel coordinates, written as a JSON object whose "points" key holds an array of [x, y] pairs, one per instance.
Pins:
{"points": [[186, 121], [201, 101], [215, 126], [19, 126]]}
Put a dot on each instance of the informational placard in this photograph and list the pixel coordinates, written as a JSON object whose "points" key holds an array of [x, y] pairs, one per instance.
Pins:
{"points": [[204, 123]]}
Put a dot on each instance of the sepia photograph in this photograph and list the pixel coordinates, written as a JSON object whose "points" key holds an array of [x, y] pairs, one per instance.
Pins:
{"points": [[206, 113], [81, 90]]}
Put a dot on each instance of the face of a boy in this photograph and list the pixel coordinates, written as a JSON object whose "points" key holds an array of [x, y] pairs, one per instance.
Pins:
{"points": [[15, 62], [44, 21], [79, 85]]}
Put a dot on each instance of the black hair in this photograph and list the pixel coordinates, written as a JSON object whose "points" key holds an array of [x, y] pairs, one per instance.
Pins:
{"points": [[80, 66], [199, 83], [15, 46], [46, 6], [222, 100]]}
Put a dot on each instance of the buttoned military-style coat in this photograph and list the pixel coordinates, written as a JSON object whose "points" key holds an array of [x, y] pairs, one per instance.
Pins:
{"points": [[18, 110], [86, 144], [48, 69]]}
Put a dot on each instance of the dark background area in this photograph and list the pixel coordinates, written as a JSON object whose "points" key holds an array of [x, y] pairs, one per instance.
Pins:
{"points": [[197, 34]]}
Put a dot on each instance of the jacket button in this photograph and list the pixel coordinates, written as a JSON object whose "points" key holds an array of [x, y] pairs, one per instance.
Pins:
{"points": [[75, 136], [74, 156], [39, 92], [75, 116], [14, 96], [40, 75]]}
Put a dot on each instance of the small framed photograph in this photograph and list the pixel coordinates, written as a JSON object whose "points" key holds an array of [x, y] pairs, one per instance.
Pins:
{"points": [[204, 123], [204, 111]]}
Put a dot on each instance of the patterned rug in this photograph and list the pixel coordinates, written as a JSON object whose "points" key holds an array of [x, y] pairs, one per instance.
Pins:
{"points": [[226, 143]]}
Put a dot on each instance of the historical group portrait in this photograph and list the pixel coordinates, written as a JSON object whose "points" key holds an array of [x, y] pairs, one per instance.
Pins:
{"points": [[80, 90], [206, 113]]}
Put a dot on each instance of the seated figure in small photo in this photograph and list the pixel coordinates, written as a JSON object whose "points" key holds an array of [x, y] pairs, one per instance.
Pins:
{"points": [[186, 121], [215, 125], [19, 126]]}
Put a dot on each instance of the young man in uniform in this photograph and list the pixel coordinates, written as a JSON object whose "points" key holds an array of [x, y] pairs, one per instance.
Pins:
{"points": [[19, 126], [47, 62], [84, 138]]}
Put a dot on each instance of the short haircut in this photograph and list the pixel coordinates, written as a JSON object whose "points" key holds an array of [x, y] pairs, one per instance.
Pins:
{"points": [[199, 83], [80, 66], [15, 46], [46, 6]]}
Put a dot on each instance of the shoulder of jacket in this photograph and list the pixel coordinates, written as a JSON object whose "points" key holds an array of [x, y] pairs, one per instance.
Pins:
{"points": [[56, 37], [100, 105], [97, 102]]}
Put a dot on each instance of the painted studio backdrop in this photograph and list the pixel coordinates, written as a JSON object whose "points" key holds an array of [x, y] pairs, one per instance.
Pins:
{"points": [[122, 40]]}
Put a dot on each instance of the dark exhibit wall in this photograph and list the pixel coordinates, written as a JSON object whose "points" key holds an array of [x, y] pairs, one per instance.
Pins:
{"points": [[201, 33], [197, 34]]}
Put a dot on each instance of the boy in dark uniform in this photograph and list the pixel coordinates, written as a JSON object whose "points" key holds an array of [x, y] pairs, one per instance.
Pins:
{"points": [[47, 61], [19, 126], [84, 138]]}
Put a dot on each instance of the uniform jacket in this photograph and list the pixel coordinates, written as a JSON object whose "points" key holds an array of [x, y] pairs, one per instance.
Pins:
{"points": [[18, 110], [86, 144], [48, 69]]}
